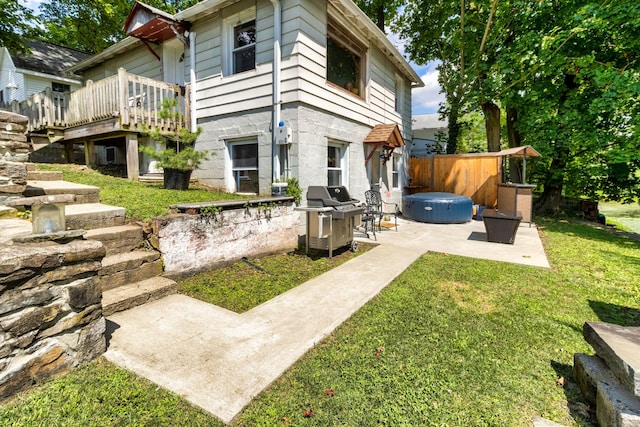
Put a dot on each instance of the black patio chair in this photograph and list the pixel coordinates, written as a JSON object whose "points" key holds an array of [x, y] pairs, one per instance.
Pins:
{"points": [[379, 208]]}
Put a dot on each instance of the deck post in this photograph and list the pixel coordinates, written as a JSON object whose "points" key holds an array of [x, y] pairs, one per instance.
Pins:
{"points": [[133, 167], [89, 153], [123, 97]]}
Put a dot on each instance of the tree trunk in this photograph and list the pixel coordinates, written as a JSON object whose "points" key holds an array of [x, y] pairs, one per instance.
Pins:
{"points": [[453, 129], [492, 125], [553, 185], [515, 171]]}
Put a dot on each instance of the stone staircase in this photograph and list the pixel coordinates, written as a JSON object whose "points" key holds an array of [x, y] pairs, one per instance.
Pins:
{"points": [[610, 380], [131, 273]]}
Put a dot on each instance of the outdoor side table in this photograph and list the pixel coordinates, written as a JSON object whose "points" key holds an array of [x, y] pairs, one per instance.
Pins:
{"points": [[501, 226]]}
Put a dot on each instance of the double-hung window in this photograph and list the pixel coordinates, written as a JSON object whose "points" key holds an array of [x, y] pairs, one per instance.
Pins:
{"points": [[345, 60], [241, 42], [337, 164], [244, 166]]}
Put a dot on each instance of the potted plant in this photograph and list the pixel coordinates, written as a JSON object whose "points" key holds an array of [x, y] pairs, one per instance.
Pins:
{"points": [[179, 158]]}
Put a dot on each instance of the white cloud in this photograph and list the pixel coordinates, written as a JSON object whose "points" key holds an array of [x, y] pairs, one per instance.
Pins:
{"points": [[427, 99]]}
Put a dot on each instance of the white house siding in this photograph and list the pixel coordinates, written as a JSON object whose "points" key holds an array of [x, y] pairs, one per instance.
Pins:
{"points": [[137, 61], [37, 84]]}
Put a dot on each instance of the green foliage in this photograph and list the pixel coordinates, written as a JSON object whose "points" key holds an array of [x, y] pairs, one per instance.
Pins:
{"points": [[95, 25], [294, 190], [100, 394], [184, 156], [17, 24], [143, 201]]}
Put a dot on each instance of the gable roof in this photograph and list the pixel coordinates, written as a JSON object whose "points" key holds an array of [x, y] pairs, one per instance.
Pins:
{"points": [[388, 135], [48, 58], [347, 8], [151, 24]]}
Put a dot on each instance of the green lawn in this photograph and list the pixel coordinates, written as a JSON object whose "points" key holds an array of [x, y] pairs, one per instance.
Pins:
{"points": [[452, 341], [143, 201]]}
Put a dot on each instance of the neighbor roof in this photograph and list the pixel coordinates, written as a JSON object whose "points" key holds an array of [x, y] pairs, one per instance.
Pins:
{"points": [[48, 58], [428, 121]]}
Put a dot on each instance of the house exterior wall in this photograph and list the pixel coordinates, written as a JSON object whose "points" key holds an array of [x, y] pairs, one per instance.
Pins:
{"points": [[239, 106], [137, 61]]}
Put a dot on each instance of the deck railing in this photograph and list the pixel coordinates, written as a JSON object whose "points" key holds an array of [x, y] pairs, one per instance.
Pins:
{"points": [[134, 99]]}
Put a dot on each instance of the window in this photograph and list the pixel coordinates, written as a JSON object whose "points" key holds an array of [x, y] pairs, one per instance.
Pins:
{"points": [[395, 171], [244, 166], [241, 43], [60, 87], [345, 60], [399, 94], [336, 164]]}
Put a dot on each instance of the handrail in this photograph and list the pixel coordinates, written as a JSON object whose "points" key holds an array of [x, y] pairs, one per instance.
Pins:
{"points": [[136, 100]]}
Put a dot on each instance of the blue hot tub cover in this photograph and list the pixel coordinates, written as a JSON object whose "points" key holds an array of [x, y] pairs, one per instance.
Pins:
{"points": [[438, 208]]}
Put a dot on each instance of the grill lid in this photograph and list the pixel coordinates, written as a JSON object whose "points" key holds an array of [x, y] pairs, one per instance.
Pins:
{"points": [[319, 195]]}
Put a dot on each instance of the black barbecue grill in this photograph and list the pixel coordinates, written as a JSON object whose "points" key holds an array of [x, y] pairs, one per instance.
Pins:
{"points": [[331, 217]]}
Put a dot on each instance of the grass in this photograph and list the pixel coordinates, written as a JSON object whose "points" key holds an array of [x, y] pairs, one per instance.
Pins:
{"points": [[242, 286], [452, 341], [143, 201]]}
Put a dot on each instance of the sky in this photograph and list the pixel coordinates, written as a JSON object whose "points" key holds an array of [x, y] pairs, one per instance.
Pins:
{"points": [[425, 100]]}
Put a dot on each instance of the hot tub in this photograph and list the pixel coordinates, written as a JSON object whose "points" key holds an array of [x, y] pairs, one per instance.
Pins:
{"points": [[438, 208]]}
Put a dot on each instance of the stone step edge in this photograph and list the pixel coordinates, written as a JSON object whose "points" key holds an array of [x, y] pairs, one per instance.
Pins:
{"points": [[616, 406], [136, 294], [588, 371], [619, 348], [115, 263], [119, 238]]}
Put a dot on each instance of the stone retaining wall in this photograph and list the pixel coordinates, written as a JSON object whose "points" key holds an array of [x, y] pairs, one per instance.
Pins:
{"points": [[50, 310], [14, 153], [210, 235]]}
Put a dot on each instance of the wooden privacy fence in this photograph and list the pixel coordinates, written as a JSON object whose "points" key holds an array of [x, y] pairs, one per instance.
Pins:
{"points": [[473, 175]]}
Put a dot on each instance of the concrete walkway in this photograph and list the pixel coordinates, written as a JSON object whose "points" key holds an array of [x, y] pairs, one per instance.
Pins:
{"points": [[220, 360]]}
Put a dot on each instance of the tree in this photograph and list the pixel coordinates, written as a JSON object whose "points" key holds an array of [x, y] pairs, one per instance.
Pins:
{"points": [[567, 73], [93, 25], [16, 25], [380, 11]]}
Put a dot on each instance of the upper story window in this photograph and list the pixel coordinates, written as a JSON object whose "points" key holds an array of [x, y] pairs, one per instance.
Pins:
{"points": [[60, 87], [399, 94], [345, 61], [241, 43]]}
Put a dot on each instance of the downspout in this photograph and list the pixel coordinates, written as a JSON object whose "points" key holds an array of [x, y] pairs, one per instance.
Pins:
{"points": [[192, 79], [277, 11]]}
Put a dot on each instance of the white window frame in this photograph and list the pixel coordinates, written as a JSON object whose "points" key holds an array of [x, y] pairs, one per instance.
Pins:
{"points": [[229, 25], [396, 178], [232, 183], [343, 164], [399, 94]]}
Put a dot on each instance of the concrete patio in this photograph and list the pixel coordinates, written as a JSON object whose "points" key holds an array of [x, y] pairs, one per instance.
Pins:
{"points": [[220, 360]]}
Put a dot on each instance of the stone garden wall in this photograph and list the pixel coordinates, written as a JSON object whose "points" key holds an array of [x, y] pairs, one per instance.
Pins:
{"points": [[50, 310], [210, 235], [14, 153]]}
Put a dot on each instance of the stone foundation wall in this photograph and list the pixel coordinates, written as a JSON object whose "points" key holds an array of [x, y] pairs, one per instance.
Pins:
{"points": [[50, 310], [203, 238], [14, 153]]}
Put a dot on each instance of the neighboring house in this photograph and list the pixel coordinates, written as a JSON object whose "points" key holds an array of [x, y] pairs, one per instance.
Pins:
{"points": [[304, 88], [426, 131], [23, 75]]}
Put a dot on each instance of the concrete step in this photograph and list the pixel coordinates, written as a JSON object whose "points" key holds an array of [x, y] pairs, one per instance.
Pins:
{"points": [[135, 294], [83, 193], [129, 267], [616, 406], [93, 215], [36, 175], [588, 371], [27, 202], [619, 348], [119, 239]]}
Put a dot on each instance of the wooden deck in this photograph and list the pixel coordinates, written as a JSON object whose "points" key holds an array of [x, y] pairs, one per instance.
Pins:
{"points": [[121, 103]]}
